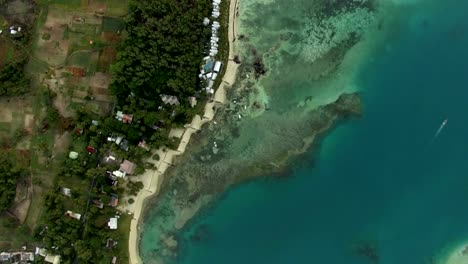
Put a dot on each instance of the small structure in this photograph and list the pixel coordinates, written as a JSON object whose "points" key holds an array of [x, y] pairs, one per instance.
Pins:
{"points": [[119, 174], [127, 167], [124, 145], [114, 260], [5, 256], [169, 99], [55, 259], [142, 144], [206, 21], [111, 243], [217, 66], [73, 215], [90, 149], [65, 191], [73, 155], [192, 101], [115, 138], [125, 118], [112, 223], [114, 200], [95, 122]]}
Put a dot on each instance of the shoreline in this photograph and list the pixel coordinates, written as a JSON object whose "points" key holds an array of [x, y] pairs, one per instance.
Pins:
{"points": [[153, 178], [457, 255]]}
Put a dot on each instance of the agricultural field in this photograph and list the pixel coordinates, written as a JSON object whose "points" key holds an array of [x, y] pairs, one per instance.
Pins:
{"points": [[68, 47]]}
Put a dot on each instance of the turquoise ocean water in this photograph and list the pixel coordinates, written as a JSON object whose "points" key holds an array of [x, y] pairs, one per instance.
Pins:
{"points": [[377, 180]]}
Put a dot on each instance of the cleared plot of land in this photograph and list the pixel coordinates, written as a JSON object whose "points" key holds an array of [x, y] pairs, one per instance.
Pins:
{"points": [[106, 57], [87, 60], [51, 46]]}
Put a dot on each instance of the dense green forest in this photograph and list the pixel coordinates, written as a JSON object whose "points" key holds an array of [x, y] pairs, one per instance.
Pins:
{"points": [[9, 175], [161, 55], [13, 81]]}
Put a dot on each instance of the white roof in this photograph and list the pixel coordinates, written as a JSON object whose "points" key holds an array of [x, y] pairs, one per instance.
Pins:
{"points": [[217, 66], [112, 223], [119, 174], [12, 31], [214, 76]]}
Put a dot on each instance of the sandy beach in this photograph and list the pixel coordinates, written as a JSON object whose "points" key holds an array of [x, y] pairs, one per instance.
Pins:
{"points": [[152, 178]]}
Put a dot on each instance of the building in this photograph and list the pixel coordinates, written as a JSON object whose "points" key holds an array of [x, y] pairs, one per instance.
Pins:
{"points": [[127, 167], [112, 223], [169, 99], [55, 259], [217, 66], [125, 118], [90, 149], [114, 200], [73, 155], [192, 101], [66, 191], [73, 215]]}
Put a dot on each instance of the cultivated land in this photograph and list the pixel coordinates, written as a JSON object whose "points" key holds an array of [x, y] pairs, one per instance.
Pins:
{"points": [[72, 45]]}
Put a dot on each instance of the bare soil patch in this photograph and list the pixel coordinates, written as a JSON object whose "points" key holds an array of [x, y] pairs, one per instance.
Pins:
{"points": [[54, 49], [106, 58]]}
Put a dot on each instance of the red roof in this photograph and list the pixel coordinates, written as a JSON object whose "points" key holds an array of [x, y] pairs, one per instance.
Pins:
{"points": [[90, 149]]}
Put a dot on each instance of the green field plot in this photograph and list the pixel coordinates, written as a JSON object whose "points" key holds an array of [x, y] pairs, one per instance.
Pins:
{"points": [[117, 7], [65, 4], [86, 29], [84, 59], [112, 24], [106, 58]]}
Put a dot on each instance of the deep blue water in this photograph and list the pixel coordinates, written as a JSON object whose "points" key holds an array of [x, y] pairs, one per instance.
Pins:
{"points": [[377, 179]]}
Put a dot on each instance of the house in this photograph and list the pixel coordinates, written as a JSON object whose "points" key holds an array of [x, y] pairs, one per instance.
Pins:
{"points": [[118, 174], [142, 144], [217, 66], [111, 158], [90, 149], [114, 260], [73, 155], [169, 99], [125, 118], [192, 101], [5, 256], [115, 138], [65, 191], [55, 259], [124, 145], [127, 167], [114, 200], [73, 215], [95, 123], [112, 224], [79, 131], [111, 243]]}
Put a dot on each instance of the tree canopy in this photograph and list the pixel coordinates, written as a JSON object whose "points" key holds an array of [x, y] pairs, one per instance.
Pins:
{"points": [[9, 175], [163, 50]]}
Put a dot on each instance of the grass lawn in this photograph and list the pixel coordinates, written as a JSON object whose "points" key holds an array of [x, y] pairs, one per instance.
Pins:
{"points": [[124, 231], [65, 4], [117, 7]]}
